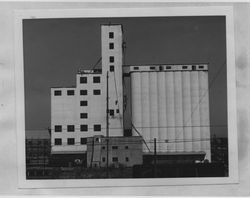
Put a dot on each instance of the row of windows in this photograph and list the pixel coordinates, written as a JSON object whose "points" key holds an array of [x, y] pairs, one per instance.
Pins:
{"points": [[70, 141], [115, 159], [170, 67], [114, 147], [84, 79], [71, 128], [82, 92]]}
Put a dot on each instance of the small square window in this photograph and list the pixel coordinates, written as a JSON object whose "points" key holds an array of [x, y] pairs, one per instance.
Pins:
{"points": [[193, 67], [111, 112], [70, 128], [111, 59], [115, 159], [58, 128], [117, 111], [84, 115], [111, 68], [111, 34], [201, 67], [152, 67], [83, 80], [96, 79], [83, 140], [97, 127], [58, 141], [71, 141], [136, 68], [70, 92], [111, 45], [97, 92], [57, 93], [103, 159], [103, 148], [184, 67], [127, 159], [83, 92], [114, 147], [126, 147], [84, 103], [84, 127], [168, 67]]}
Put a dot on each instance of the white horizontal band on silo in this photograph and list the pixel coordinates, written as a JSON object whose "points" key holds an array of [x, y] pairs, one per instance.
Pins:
{"points": [[170, 100], [145, 109], [153, 107], [178, 111], [186, 101], [162, 112], [195, 110], [136, 101], [204, 113]]}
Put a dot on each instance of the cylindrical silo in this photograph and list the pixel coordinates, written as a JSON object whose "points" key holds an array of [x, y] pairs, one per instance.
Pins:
{"points": [[186, 105], [136, 101], [153, 107], [194, 79], [178, 111], [145, 108], [170, 100], [204, 113], [162, 112]]}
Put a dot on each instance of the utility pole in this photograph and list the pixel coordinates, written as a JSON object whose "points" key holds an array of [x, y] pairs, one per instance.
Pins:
{"points": [[107, 125], [155, 156]]}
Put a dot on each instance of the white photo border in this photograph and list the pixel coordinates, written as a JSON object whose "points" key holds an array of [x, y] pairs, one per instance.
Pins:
{"points": [[226, 11]]}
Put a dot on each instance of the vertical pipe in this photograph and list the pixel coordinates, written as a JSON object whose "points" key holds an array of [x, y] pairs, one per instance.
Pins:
{"points": [[178, 111], [153, 106], [145, 108], [186, 103], [162, 111], [170, 103], [204, 113], [195, 109]]}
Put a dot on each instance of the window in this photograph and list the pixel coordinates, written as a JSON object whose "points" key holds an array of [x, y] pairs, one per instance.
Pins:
{"points": [[84, 103], [152, 67], [97, 127], [111, 112], [114, 147], [117, 111], [184, 67], [168, 67], [111, 59], [83, 80], [111, 34], [58, 141], [58, 128], [97, 139], [84, 127], [96, 79], [111, 45], [193, 67], [115, 159], [57, 93], [201, 67], [83, 140], [126, 147], [97, 92], [70, 128], [103, 148], [136, 68], [103, 159], [84, 92], [70, 92], [127, 159], [83, 115], [111, 68], [71, 141]]}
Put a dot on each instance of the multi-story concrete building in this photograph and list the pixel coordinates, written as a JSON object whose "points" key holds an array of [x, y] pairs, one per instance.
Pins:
{"points": [[169, 103], [80, 112]]}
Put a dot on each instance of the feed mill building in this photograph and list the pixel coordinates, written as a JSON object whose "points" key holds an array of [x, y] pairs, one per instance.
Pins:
{"points": [[169, 103]]}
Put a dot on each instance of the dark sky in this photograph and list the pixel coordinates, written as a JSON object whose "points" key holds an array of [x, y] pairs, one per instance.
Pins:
{"points": [[54, 49]]}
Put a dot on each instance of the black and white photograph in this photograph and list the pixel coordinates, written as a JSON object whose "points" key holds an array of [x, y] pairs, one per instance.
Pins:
{"points": [[126, 97]]}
